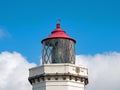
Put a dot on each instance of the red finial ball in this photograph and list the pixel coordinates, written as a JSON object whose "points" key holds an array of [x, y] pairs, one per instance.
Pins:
{"points": [[58, 25]]}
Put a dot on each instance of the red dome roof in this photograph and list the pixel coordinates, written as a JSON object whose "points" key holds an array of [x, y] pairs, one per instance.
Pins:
{"points": [[58, 33]]}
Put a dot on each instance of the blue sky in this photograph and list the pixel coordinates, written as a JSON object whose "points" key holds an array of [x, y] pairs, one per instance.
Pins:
{"points": [[95, 24]]}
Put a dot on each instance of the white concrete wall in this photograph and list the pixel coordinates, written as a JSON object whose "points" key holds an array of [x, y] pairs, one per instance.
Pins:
{"points": [[58, 68], [59, 84]]}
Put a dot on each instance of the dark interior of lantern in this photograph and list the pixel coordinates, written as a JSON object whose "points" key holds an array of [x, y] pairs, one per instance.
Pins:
{"points": [[58, 51]]}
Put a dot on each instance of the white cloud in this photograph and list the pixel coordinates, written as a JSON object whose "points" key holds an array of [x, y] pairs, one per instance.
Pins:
{"points": [[4, 33], [14, 71], [104, 70]]}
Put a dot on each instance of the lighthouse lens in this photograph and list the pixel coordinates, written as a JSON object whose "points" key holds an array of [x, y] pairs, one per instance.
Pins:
{"points": [[58, 51]]}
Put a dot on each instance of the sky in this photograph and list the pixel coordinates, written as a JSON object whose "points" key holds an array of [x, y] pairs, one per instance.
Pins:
{"points": [[94, 24]]}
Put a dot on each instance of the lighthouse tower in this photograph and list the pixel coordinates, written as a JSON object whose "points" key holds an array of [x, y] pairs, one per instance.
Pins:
{"points": [[58, 70]]}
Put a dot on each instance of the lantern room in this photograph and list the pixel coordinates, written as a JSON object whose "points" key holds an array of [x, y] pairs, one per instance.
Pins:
{"points": [[58, 47]]}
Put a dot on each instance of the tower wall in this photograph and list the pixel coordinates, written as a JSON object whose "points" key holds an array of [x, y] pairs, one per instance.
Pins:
{"points": [[58, 77]]}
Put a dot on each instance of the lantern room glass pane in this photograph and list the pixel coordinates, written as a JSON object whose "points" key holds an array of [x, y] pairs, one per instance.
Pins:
{"points": [[58, 51]]}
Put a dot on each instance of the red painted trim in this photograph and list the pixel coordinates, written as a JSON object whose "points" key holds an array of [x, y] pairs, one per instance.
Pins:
{"points": [[58, 33]]}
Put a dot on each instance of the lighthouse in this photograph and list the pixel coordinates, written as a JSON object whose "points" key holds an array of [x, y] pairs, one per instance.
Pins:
{"points": [[58, 70]]}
